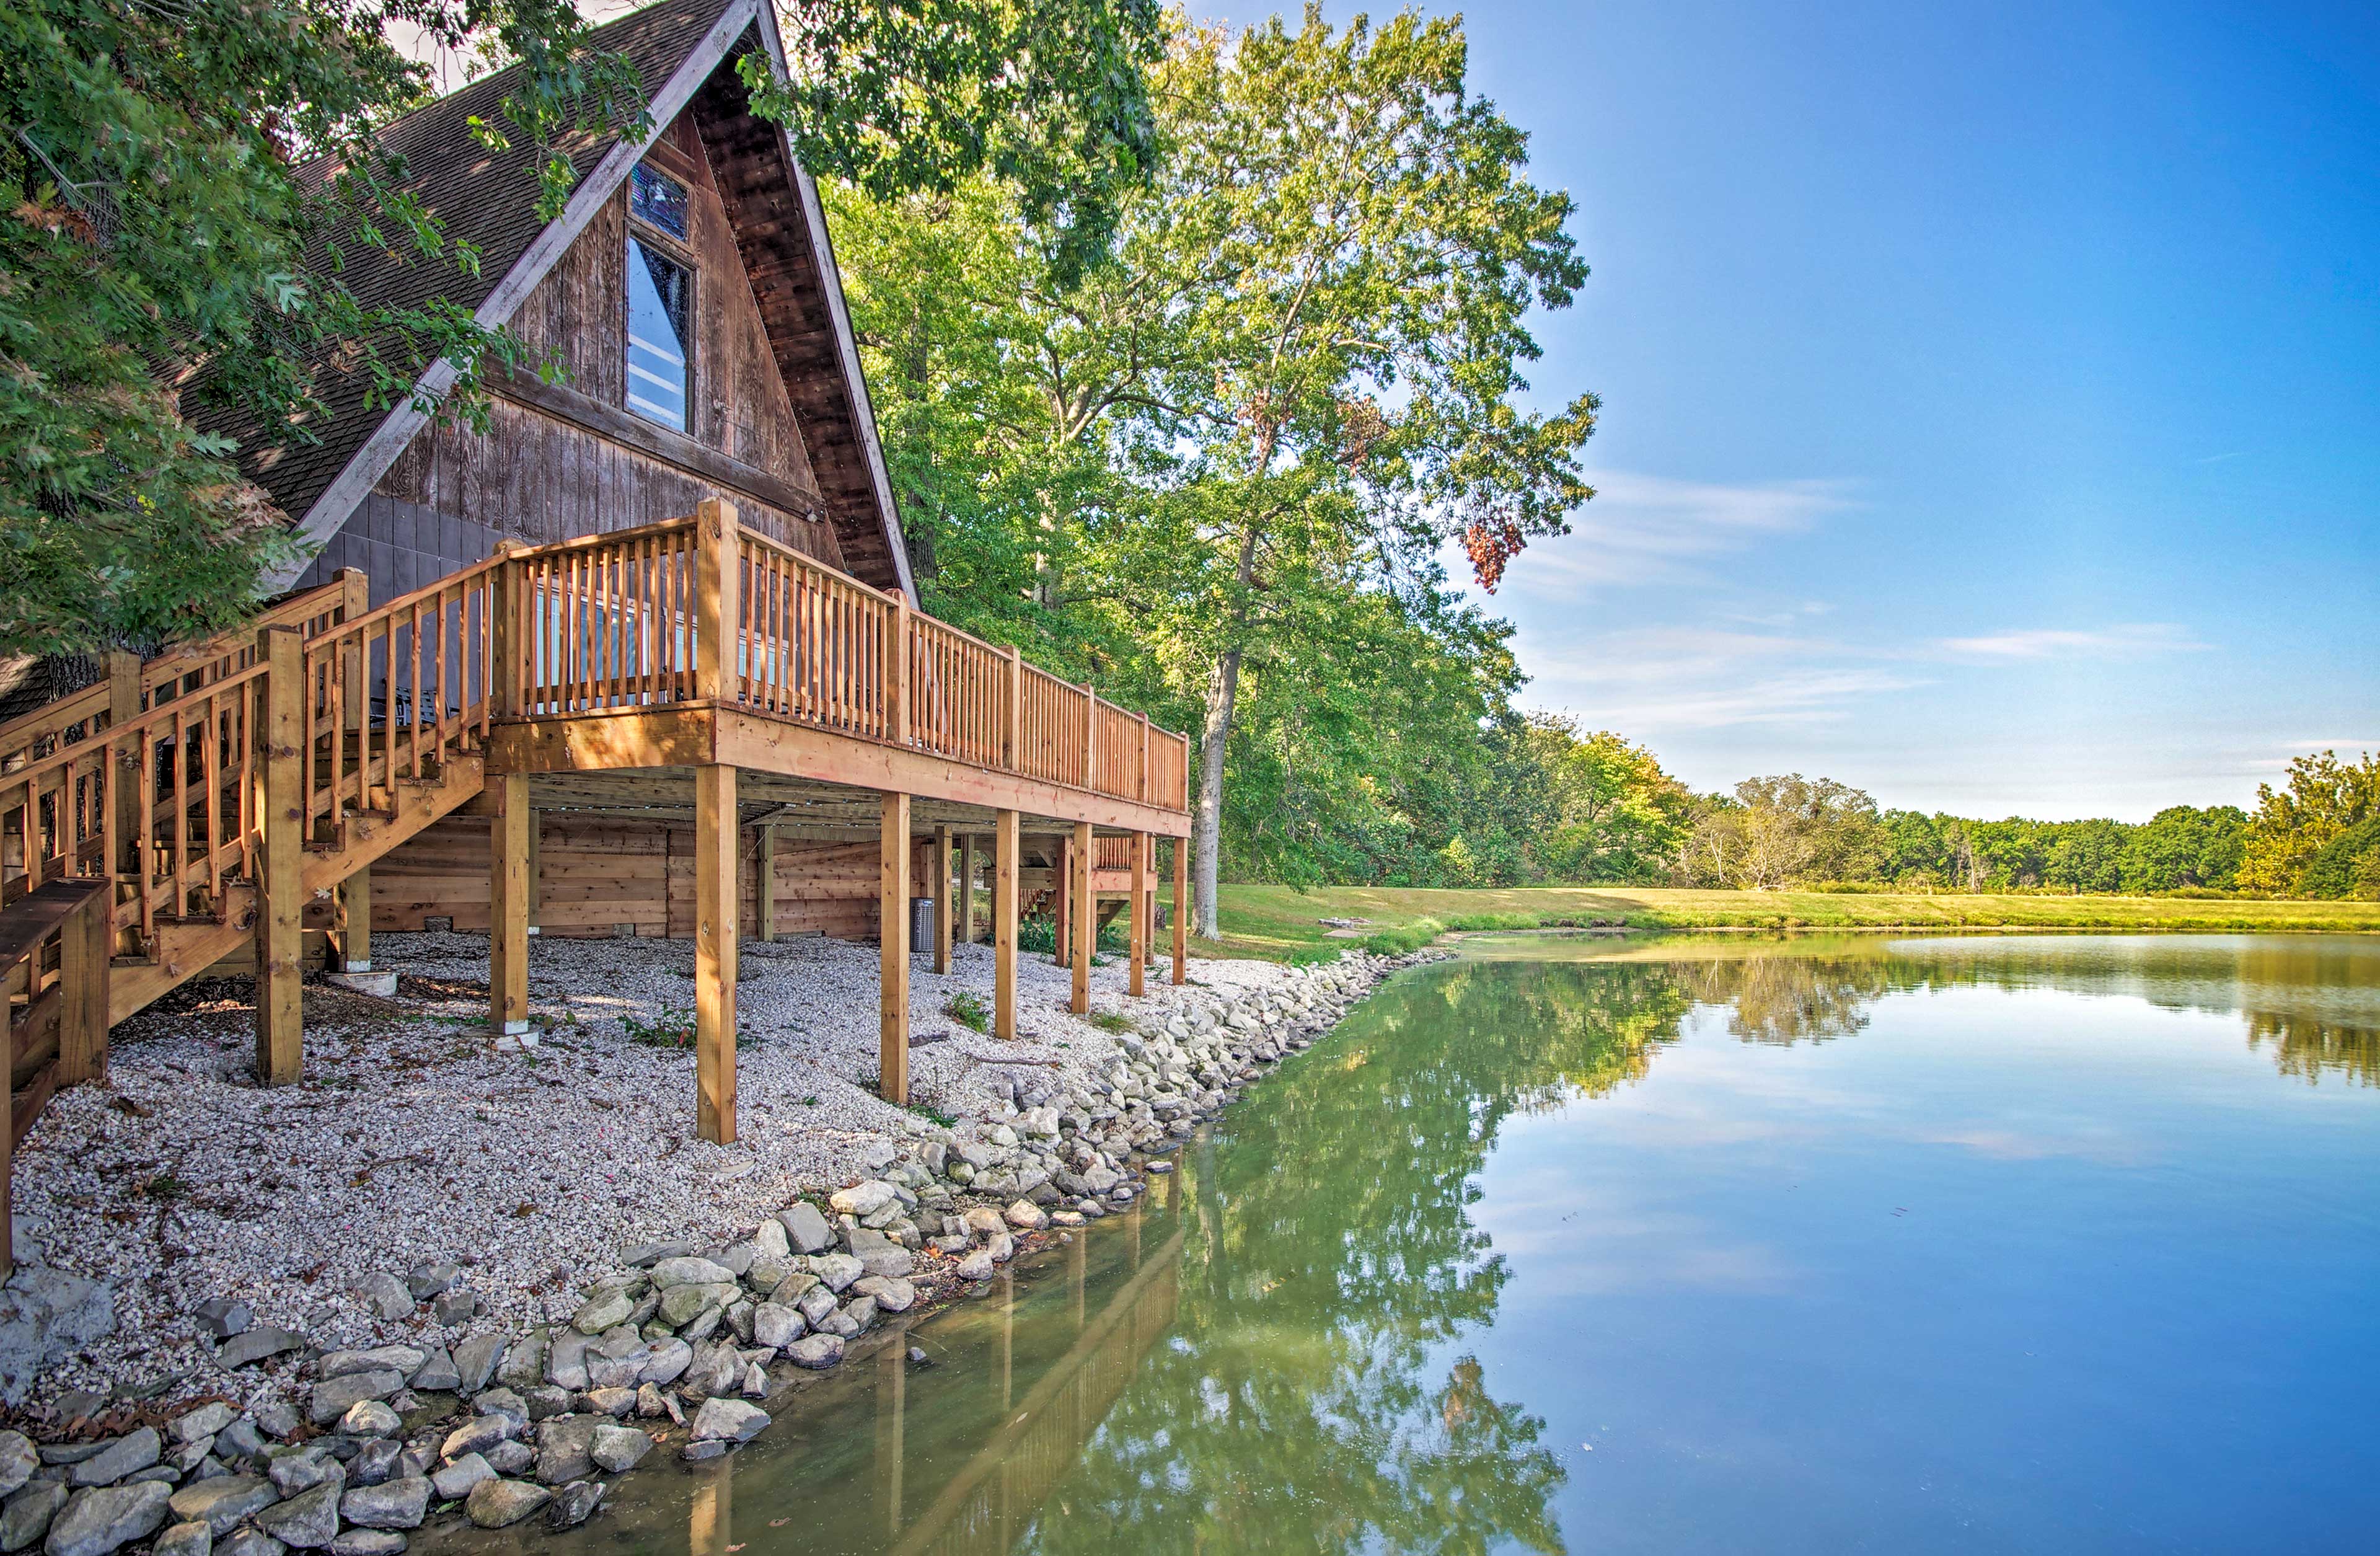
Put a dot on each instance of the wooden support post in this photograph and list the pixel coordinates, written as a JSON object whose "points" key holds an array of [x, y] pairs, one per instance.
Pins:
{"points": [[85, 946], [1086, 918], [1180, 908], [1138, 911], [716, 923], [353, 951], [536, 870], [942, 900], [718, 575], [1062, 887], [1012, 714], [281, 823], [893, 974], [967, 889], [123, 707], [1005, 844], [508, 834], [764, 885]]}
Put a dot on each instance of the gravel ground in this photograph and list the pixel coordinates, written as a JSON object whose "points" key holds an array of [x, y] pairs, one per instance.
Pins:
{"points": [[411, 1139]]}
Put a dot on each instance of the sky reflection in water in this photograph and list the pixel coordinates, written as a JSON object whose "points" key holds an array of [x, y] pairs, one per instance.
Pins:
{"points": [[1696, 1246]]}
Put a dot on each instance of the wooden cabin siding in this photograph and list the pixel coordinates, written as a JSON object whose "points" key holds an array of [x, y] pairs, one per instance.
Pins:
{"points": [[560, 461], [594, 874]]}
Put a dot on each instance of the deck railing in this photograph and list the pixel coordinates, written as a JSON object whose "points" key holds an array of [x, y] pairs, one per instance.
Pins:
{"points": [[700, 608]]}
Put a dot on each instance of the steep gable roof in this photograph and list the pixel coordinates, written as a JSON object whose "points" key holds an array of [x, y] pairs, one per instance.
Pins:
{"points": [[682, 49]]}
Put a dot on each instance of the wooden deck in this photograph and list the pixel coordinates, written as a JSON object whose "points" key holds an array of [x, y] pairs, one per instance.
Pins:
{"points": [[687, 668]]}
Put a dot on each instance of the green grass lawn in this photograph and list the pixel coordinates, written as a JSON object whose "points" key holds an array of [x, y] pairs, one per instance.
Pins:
{"points": [[1276, 921]]}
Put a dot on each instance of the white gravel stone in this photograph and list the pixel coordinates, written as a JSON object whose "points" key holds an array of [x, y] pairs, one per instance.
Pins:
{"points": [[412, 1146]]}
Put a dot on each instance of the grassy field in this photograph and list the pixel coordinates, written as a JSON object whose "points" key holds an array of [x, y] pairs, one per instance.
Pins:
{"points": [[1276, 921]]}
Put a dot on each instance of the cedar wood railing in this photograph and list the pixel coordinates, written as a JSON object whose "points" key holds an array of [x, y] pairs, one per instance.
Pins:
{"points": [[373, 701], [628, 619]]}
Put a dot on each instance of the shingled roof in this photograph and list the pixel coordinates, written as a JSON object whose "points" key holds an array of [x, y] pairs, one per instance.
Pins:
{"points": [[680, 48]]}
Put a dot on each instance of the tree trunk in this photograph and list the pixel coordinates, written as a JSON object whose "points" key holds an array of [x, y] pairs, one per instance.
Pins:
{"points": [[1207, 827]]}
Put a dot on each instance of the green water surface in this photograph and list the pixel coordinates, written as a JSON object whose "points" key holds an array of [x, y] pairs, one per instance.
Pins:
{"points": [[1716, 1245]]}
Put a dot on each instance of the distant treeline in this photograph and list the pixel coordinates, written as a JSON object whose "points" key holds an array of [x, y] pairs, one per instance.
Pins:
{"points": [[1594, 809]]}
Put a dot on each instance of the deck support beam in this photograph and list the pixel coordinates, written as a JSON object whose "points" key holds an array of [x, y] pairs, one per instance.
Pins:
{"points": [[716, 926], [967, 888], [1062, 921], [942, 928], [892, 968], [353, 951], [508, 838], [764, 883], [1138, 909], [1005, 871], [281, 864], [1180, 908], [1086, 918]]}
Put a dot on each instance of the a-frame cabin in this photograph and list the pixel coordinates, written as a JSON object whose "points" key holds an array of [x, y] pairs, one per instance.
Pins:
{"points": [[648, 642]]}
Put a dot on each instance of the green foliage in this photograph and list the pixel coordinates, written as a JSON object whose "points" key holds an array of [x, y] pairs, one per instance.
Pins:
{"points": [[1037, 935], [967, 1008], [669, 1028], [2312, 836], [173, 238], [1212, 473]]}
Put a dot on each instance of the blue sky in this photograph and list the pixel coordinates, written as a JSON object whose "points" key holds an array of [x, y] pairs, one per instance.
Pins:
{"points": [[1991, 393]]}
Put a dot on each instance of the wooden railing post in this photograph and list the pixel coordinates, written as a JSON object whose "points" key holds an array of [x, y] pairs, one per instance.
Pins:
{"points": [[896, 674], [281, 850], [1090, 737], [718, 575], [1014, 718], [355, 601], [124, 777], [508, 632], [1140, 785]]}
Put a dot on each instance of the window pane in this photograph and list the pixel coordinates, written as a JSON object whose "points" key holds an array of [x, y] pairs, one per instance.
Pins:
{"points": [[659, 300], [658, 199]]}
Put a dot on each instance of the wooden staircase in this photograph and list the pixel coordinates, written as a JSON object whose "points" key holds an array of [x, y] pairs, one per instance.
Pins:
{"points": [[193, 785]]}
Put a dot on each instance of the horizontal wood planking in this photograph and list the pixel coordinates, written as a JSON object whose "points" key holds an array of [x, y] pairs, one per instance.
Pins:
{"points": [[596, 874]]}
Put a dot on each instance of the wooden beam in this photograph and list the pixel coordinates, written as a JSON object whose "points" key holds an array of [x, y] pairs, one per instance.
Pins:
{"points": [[718, 577], [1062, 918], [508, 835], [1006, 847], [607, 740], [352, 948], [1086, 918], [124, 676], [967, 888], [657, 443], [715, 927], [764, 884], [942, 900], [892, 968], [1181, 908], [281, 866], [85, 946], [1138, 913]]}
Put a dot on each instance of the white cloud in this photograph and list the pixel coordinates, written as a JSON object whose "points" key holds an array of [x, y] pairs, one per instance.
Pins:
{"points": [[1643, 529], [2128, 641], [1684, 677]]}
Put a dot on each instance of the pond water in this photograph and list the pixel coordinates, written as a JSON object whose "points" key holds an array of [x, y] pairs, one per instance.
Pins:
{"points": [[1712, 1245]]}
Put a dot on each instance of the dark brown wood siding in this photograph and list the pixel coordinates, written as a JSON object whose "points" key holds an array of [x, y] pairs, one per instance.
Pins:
{"points": [[554, 464]]}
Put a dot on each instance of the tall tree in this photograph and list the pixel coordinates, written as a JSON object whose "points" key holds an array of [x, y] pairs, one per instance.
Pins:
{"points": [[1337, 264]]}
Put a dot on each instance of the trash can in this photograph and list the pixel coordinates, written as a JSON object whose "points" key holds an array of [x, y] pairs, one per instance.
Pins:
{"points": [[921, 924]]}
